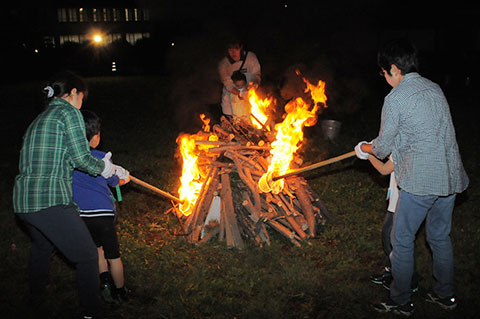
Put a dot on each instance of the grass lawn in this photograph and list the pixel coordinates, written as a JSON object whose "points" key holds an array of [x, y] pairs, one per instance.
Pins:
{"points": [[171, 278]]}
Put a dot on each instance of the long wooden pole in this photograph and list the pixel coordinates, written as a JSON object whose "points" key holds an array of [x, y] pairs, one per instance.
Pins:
{"points": [[314, 166], [155, 189]]}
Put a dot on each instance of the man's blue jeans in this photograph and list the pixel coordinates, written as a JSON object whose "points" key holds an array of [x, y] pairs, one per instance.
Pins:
{"points": [[412, 210]]}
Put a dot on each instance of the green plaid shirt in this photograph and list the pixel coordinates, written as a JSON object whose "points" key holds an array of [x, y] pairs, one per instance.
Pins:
{"points": [[53, 146]]}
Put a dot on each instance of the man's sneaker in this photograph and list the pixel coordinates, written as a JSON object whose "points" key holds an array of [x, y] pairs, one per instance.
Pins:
{"points": [[447, 303], [390, 306], [379, 278], [388, 281]]}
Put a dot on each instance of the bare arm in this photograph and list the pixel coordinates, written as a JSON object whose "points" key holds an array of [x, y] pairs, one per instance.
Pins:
{"points": [[383, 168]]}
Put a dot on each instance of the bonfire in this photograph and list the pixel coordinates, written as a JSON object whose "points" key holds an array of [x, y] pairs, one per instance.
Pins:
{"points": [[241, 178], [227, 189]]}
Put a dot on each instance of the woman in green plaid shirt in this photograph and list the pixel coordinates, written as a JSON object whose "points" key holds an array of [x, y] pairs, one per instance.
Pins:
{"points": [[53, 146]]}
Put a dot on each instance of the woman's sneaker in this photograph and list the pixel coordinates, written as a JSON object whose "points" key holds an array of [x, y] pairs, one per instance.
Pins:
{"points": [[447, 303]]}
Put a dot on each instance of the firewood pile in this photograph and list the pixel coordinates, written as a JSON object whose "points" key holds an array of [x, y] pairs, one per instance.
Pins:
{"points": [[230, 206]]}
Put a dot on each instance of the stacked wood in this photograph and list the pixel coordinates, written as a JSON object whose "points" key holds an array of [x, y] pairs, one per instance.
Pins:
{"points": [[231, 168]]}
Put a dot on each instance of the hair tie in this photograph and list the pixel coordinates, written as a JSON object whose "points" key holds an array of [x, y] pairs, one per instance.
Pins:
{"points": [[49, 90]]}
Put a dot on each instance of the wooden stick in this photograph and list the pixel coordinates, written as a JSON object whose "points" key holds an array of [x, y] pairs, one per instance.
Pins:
{"points": [[314, 166], [258, 121], [155, 189], [306, 206], [231, 226], [201, 142], [238, 147], [284, 231]]}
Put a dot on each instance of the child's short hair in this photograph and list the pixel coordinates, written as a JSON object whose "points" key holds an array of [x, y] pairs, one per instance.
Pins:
{"points": [[234, 42], [402, 53], [238, 76], [92, 123]]}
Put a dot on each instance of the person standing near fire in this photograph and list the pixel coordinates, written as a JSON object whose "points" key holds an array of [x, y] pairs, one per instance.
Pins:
{"points": [[97, 208], [237, 60], [416, 128], [240, 104], [385, 277], [54, 144]]}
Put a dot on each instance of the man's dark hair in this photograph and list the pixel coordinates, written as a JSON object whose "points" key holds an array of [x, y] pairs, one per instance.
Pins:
{"points": [[92, 123], [402, 53], [238, 76]]}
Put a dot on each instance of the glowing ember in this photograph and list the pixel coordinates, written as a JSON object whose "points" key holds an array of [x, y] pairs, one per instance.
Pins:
{"points": [[290, 135], [191, 180], [258, 109]]}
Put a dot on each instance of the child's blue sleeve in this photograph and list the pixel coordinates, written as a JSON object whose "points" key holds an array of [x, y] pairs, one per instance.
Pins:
{"points": [[113, 180]]}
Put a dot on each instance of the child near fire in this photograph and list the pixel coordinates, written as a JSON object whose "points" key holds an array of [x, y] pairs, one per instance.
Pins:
{"points": [[240, 104], [385, 277], [97, 209]]}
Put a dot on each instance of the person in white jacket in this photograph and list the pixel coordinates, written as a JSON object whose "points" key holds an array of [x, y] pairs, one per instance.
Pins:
{"points": [[237, 59]]}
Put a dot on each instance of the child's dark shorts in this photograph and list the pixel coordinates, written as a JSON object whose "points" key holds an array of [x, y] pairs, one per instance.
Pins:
{"points": [[104, 234]]}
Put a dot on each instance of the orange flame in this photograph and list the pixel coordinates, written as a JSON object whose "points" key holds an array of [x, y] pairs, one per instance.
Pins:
{"points": [[290, 135], [206, 123], [191, 180], [258, 109]]}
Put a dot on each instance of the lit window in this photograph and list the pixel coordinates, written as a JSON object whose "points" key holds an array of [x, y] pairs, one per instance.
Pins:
{"points": [[81, 15], [62, 15], [72, 15], [116, 36], [135, 14], [116, 15], [96, 15], [107, 16], [132, 38], [128, 15], [69, 38]]}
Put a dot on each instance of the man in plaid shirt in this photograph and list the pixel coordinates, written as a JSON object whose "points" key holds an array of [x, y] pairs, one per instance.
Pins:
{"points": [[53, 145], [417, 129]]}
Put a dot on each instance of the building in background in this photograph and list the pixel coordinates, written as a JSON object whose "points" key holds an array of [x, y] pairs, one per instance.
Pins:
{"points": [[91, 37]]}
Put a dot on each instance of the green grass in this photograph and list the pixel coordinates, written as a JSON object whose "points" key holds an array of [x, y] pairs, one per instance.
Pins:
{"points": [[171, 278]]}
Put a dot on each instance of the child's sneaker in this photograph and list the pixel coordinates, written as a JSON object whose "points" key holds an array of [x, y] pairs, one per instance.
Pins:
{"points": [[121, 294], [379, 278], [447, 303], [390, 306], [106, 294], [388, 281]]}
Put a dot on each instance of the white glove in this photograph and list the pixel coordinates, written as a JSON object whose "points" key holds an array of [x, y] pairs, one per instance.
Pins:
{"points": [[358, 151], [109, 169], [122, 173], [243, 95]]}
